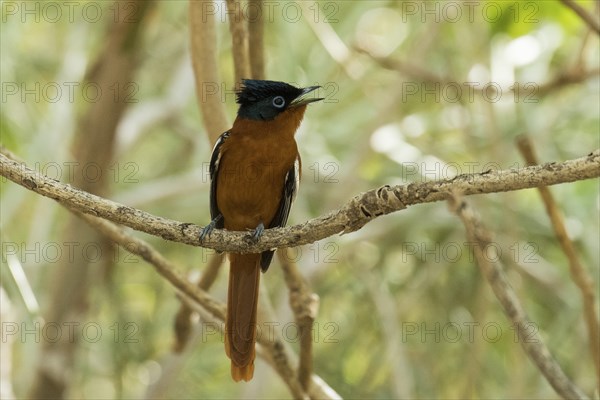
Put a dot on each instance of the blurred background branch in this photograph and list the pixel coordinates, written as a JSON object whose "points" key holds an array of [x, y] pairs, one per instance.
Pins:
{"points": [[493, 272], [305, 306], [204, 59], [239, 40], [94, 144], [579, 274], [591, 20]]}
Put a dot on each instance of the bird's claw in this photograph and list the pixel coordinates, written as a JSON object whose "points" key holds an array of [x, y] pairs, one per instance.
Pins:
{"points": [[208, 229], [258, 232]]}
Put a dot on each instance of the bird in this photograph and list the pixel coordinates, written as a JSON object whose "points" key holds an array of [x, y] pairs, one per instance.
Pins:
{"points": [[255, 170]]}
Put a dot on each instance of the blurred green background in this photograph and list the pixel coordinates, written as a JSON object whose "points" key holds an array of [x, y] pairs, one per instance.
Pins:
{"points": [[404, 310]]}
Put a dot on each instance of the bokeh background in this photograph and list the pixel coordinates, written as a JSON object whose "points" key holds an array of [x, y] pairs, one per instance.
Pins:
{"points": [[414, 91]]}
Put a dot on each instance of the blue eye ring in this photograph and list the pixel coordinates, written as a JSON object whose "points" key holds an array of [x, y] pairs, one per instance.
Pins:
{"points": [[278, 101]]}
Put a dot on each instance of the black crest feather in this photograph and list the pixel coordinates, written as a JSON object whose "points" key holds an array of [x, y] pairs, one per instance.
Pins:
{"points": [[254, 90]]}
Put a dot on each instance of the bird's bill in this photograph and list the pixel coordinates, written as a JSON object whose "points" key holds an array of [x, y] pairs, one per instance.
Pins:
{"points": [[303, 100]]}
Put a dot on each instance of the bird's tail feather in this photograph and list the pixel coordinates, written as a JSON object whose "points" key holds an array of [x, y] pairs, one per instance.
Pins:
{"points": [[240, 327]]}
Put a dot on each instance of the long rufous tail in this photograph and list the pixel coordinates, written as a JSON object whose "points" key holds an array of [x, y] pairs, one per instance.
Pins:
{"points": [[240, 327]]}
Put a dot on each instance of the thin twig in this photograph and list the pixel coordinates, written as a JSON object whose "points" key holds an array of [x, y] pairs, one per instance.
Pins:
{"points": [[305, 305], [239, 40], [7, 313], [163, 266], [576, 75], [411, 70], [256, 46], [332, 43], [529, 89], [588, 18], [386, 306], [579, 274], [282, 358], [183, 324], [209, 92], [532, 343], [352, 216]]}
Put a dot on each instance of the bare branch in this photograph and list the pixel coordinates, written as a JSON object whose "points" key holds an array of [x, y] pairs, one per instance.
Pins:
{"points": [[577, 75], [350, 217], [493, 272], [183, 324], [579, 274], [163, 266], [332, 43], [256, 46], [305, 306], [572, 76], [204, 60], [280, 357], [239, 40], [588, 18]]}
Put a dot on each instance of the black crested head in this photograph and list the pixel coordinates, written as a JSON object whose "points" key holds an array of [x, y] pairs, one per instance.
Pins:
{"points": [[254, 90], [264, 100]]}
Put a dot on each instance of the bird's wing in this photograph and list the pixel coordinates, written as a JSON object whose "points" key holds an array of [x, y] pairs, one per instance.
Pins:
{"points": [[213, 169], [290, 188]]}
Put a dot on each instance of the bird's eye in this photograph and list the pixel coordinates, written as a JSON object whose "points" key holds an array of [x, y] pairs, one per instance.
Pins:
{"points": [[279, 101]]}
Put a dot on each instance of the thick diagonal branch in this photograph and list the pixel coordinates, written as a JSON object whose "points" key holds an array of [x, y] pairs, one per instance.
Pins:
{"points": [[350, 217]]}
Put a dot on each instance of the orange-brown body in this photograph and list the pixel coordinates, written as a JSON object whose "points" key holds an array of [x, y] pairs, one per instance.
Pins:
{"points": [[254, 162]]}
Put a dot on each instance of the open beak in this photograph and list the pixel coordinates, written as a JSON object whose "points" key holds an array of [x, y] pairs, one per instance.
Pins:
{"points": [[303, 100]]}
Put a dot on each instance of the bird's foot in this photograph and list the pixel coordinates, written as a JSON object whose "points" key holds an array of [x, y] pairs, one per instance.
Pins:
{"points": [[258, 232], [207, 230]]}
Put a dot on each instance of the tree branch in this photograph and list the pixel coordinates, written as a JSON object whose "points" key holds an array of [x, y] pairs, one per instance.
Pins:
{"points": [[239, 40], [579, 274], [572, 76], [493, 272], [256, 46], [182, 325], [583, 14], [305, 305], [204, 60], [350, 217], [163, 266]]}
